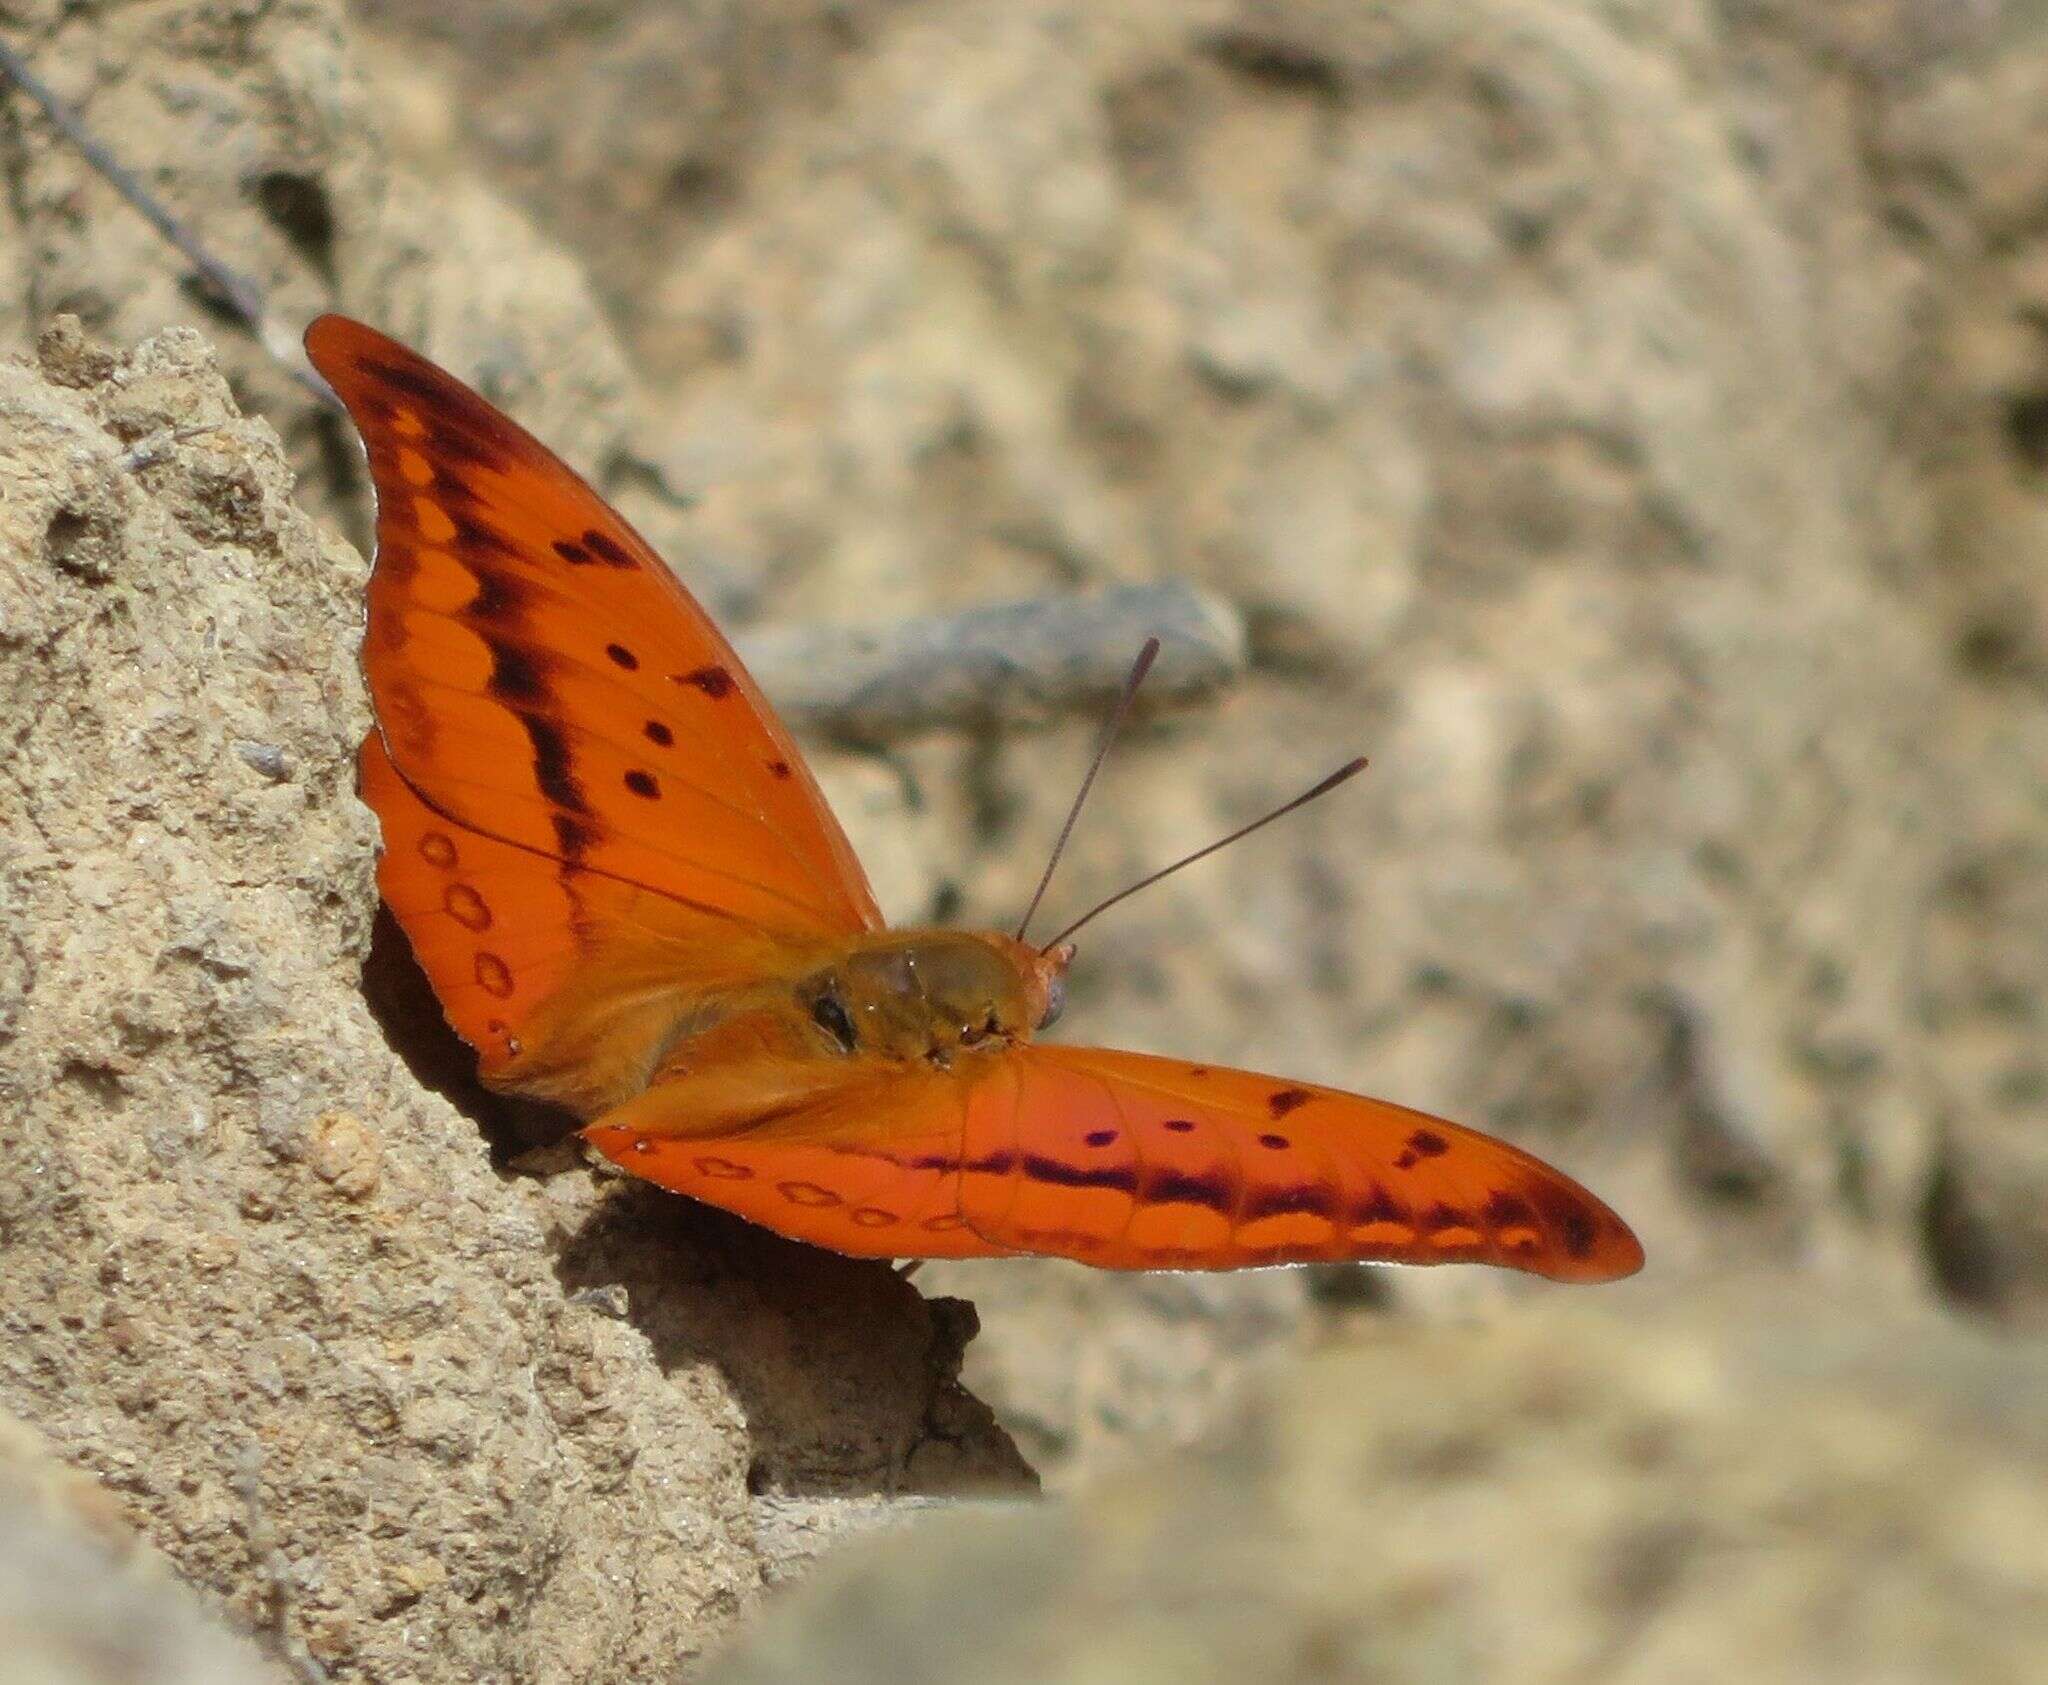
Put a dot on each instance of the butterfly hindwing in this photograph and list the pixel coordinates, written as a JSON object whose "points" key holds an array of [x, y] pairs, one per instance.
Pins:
{"points": [[856, 1156], [565, 981], [493, 926]]}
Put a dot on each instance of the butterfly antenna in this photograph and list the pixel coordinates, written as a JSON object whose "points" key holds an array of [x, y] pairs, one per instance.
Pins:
{"points": [[1351, 769], [1117, 715]]}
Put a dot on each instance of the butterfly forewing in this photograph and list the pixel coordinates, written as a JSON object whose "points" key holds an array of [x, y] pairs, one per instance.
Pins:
{"points": [[590, 815], [540, 676], [1127, 1161], [1122, 1161]]}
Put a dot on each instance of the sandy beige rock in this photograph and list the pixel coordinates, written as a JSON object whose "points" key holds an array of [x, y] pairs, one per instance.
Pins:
{"points": [[1956, 155], [1624, 421], [1773, 1482], [494, 1424]]}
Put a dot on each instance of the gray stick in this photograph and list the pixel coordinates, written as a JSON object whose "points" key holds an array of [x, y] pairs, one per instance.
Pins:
{"points": [[237, 291], [1008, 665]]}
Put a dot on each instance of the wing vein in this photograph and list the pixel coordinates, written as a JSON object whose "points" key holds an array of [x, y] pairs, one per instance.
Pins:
{"points": [[553, 859], [483, 830], [1137, 1167], [420, 680]]}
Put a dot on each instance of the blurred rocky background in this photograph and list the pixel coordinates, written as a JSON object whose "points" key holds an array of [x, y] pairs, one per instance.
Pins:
{"points": [[1627, 422]]}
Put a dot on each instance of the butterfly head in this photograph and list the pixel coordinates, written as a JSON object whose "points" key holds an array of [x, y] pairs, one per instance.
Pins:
{"points": [[1040, 977]]}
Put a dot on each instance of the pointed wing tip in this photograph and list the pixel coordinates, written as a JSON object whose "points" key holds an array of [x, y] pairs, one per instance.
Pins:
{"points": [[325, 332], [334, 341], [1614, 1255]]}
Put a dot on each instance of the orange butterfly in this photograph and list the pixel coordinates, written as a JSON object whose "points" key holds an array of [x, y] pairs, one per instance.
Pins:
{"points": [[632, 900]]}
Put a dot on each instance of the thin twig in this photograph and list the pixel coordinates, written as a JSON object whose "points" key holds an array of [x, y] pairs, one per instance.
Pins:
{"points": [[1014, 664], [235, 290]]}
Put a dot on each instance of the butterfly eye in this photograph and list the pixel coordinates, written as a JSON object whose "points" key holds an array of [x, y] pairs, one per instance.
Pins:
{"points": [[1055, 1001], [828, 1012]]}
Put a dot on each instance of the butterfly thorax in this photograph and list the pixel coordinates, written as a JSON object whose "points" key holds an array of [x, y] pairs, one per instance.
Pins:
{"points": [[931, 999], [893, 996], [930, 995]]}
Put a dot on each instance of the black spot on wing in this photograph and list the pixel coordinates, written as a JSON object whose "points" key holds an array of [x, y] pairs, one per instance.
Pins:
{"points": [[501, 599], [1286, 1200], [989, 1164], [606, 549], [1378, 1206], [1059, 1173], [553, 770], [432, 392], [1506, 1210], [574, 837], [1179, 1187], [1563, 1213], [467, 449], [483, 544], [714, 682], [518, 677]]}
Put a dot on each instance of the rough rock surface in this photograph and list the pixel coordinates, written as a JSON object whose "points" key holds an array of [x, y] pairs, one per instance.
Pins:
{"points": [[256, 124], [1752, 1482], [258, 1277]]}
